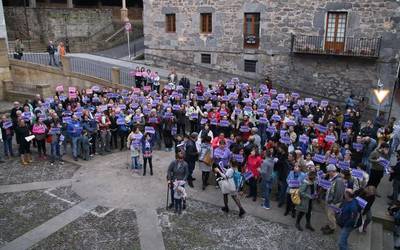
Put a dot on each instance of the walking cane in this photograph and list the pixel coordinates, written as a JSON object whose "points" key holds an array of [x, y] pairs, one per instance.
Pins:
{"points": [[167, 195]]}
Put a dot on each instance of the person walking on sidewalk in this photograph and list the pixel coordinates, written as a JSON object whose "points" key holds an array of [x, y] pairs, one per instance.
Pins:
{"points": [[52, 49]]}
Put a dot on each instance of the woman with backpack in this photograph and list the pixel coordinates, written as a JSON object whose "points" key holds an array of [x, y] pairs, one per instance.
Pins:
{"points": [[307, 192], [205, 160]]}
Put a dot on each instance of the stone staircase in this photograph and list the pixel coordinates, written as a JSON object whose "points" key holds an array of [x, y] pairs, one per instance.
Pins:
{"points": [[29, 46], [376, 238]]}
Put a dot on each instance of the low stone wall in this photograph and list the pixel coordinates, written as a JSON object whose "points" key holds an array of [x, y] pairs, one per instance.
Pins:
{"points": [[43, 80]]}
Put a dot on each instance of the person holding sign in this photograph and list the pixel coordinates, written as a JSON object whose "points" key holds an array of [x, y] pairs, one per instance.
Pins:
{"points": [[333, 198], [22, 131], [308, 193], [7, 132], [253, 165], [74, 130], [379, 160], [293, 180], [147, 150], [39, 129]]}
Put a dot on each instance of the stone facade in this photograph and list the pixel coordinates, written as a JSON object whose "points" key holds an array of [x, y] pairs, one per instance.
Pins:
{"points": [[86, 29], [329, 76]]}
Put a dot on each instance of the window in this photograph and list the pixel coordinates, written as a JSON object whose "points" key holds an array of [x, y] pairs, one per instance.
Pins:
{"points": [[170, 23], [206, 58], [335, 31], [251, 30], [206, 22], [250, 66]]}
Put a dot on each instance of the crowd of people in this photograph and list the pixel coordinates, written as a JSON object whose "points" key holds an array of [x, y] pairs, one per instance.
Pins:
{"points": [[243, 138]]}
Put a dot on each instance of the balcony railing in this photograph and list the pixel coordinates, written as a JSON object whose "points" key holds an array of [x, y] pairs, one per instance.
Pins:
{"points": [[349, 46]]}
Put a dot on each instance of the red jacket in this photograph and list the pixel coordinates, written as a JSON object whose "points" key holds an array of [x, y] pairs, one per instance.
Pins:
{"points": [[253, 163]]}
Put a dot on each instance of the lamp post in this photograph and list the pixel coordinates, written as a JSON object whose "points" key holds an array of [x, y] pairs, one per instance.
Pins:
{"points": [[380, 94]]}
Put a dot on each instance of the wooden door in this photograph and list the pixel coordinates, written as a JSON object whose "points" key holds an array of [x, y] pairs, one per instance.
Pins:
{"points": [[335, 32]]}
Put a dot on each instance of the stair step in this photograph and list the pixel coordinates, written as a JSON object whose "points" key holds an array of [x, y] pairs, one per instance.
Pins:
{"points": [[377, 236], [361, 241], [388, 243]]}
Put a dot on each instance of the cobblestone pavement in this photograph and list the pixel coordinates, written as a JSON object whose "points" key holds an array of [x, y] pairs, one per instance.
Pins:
{"points": [[12, 172], [100, 204], [205, 226], [115, 230]]}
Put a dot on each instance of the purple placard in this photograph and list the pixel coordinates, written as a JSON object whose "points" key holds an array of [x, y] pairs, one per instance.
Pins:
{"points": [[54, 131], [344, 165], [274, 106], [320, 173], [280, 97], [321, 128], [343, 136], [194, 116], [295, 95], [225, 98], [300, 102], [208, 106], [290, 123], [223, 113], [294, 183], [176, 107], [273, 92], [319, 158], [357, 174], [238, 157], [244, 129], [325, 184], [203, 120], [168, 115], [306, 121], [66, 119], [330, 138], [174, 130], [358, 146], [247, 100], [121, 121], [7, 124], [348, 124], [304, 139], [276, 118], [271, 129], [324, 103], [219, 153], [214, 121], [248, 175], [224, 123], [263, 120], [285, 140], [282, 108], [332, 160], [363, 203], [149, 129], [248, 109], [308, 100], [153, 120], [136, 118], [122, 106], [296, 112], [383, 162]]}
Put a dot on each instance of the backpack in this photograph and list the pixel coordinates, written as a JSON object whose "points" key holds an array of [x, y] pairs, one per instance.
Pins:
{"points": [[295, 196]]}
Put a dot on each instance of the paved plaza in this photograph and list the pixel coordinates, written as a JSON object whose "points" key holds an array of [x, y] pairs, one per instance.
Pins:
{"points": [[99, 204]]}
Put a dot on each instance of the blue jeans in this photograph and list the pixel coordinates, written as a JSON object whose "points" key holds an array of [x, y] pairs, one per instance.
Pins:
{"points": [[135, 162], [76, 147], [7, 143], [55, 151], [267, 185], [344, 235]]}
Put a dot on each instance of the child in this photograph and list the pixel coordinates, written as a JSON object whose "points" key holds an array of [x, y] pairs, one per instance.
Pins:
{"points": [[134, 143], [179, 195], [85, 145]]}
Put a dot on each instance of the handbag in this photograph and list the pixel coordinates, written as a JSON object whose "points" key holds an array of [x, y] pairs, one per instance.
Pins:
{"points": [[227, 185], [207, 159], [295, 196]]}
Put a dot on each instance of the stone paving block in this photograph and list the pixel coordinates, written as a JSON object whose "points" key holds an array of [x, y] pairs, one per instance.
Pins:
{"points": [[116, 230], [21, 212], [12, 172], [205, 226]]}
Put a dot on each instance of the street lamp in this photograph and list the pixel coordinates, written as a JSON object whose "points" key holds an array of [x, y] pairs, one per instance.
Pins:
{"points": [[380, 94]]}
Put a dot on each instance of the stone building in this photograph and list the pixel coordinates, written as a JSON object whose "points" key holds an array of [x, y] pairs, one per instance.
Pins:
{"points": [[321, 47]]}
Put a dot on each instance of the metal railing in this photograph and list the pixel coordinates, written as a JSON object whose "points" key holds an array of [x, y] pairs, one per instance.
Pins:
{"points": [[348, 46], [39, 58], [126, 78], [91, 68]]}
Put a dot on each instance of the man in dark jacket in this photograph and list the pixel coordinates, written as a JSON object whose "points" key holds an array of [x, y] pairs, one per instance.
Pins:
{"points": [[177, 171], [191, 155], [349, 215], [52, 49], [185, 83]]}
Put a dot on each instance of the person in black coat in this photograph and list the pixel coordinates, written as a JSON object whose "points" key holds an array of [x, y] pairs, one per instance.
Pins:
{"points": [[191, 155]]}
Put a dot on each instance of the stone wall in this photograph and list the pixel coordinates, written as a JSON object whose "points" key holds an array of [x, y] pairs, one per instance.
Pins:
{"points": [[83, 27], [330, 76], [4, 65]]}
